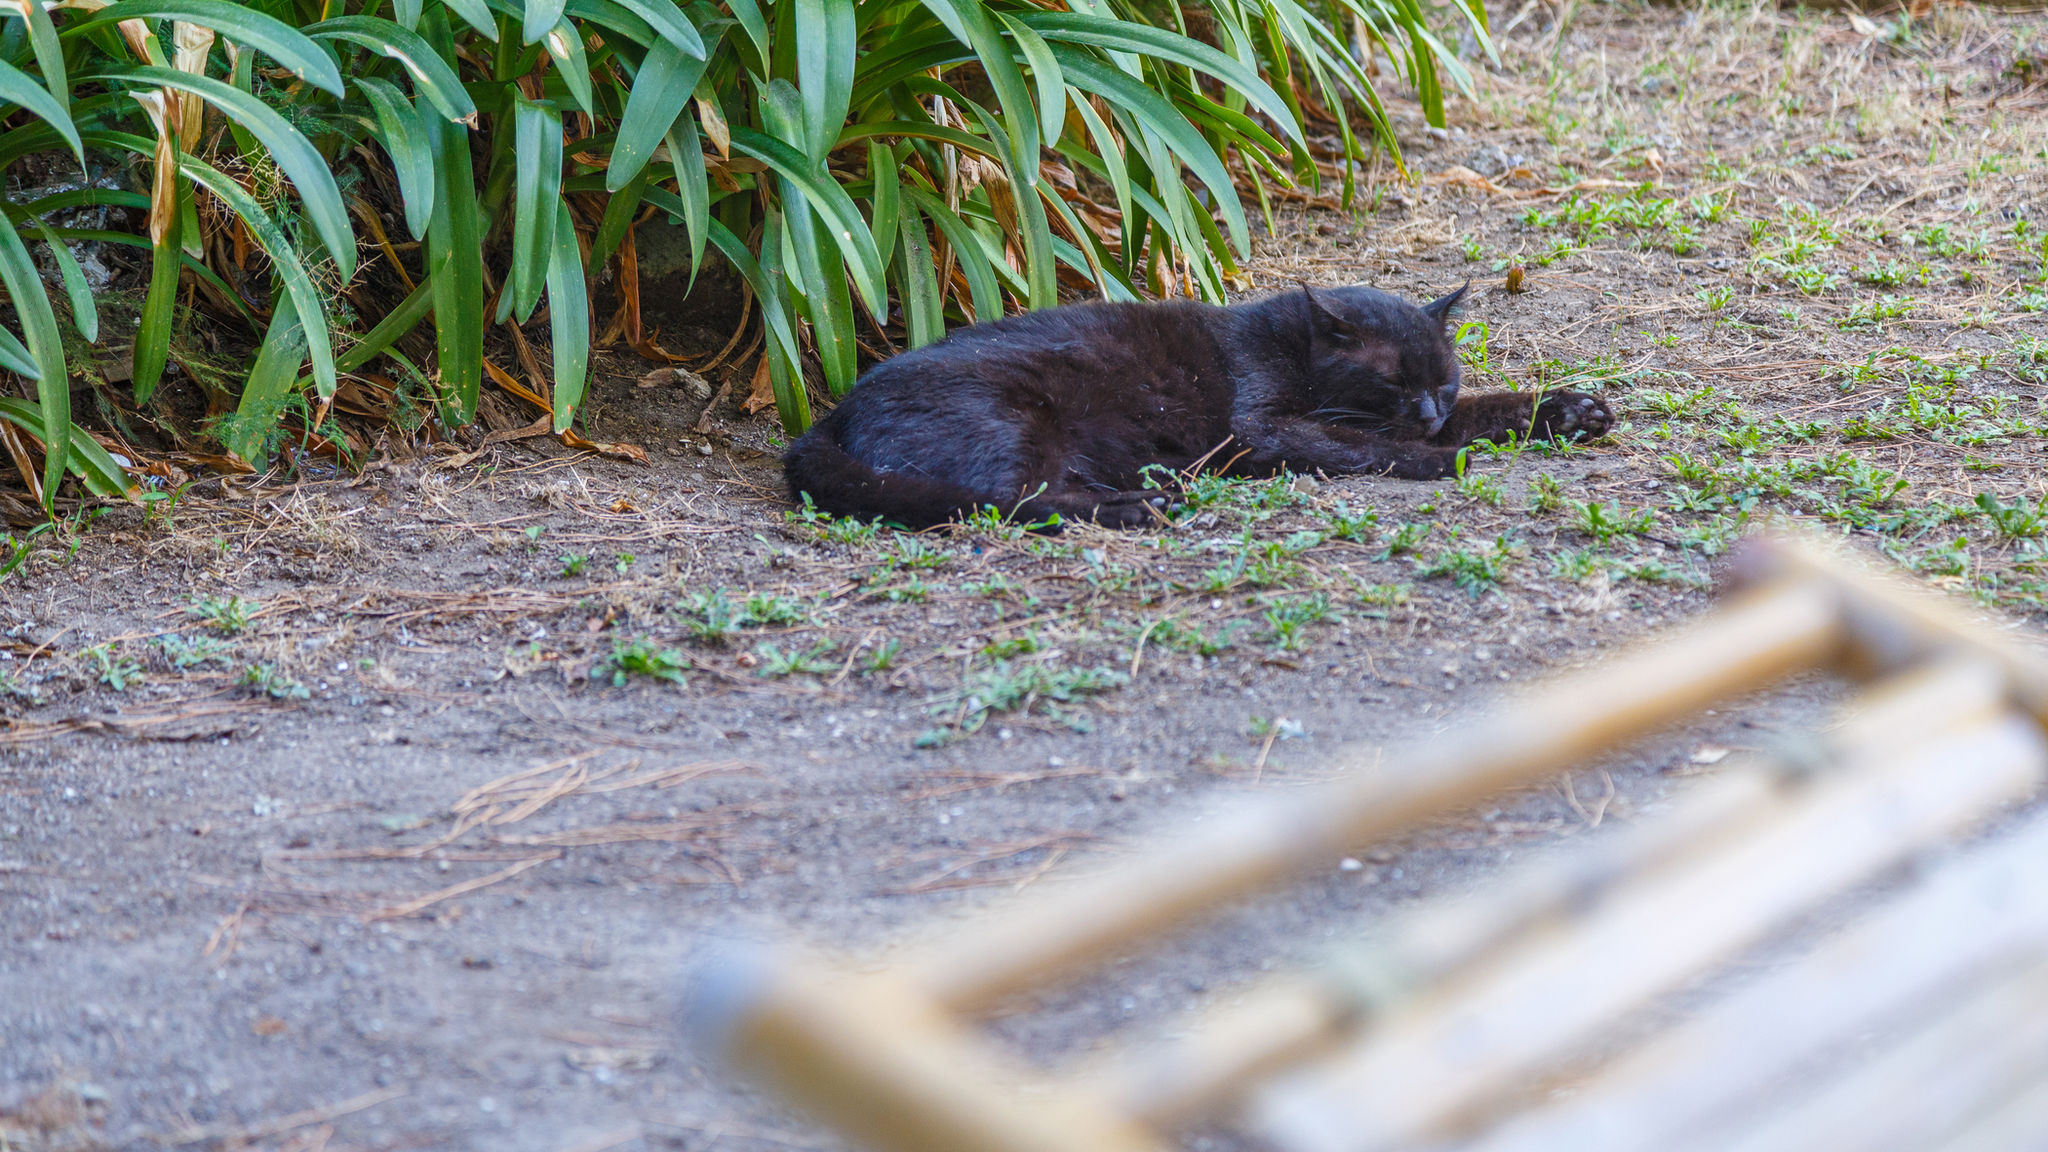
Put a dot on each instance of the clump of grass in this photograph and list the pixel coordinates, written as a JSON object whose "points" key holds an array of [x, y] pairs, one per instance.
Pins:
{"points": [[1287, 620], [1385, 595], [273, 682], [228, 615], [1023, 689], [1357, 526], [192, 652], [1607, 521], [2016, 520], [641, 656], [775, 663], [1403, 540], [1476, 570], [713, 618], [1174, 633], [112, 667]]}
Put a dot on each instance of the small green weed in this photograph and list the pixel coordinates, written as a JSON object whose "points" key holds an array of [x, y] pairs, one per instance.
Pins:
{"points": [[1287, 618], [112, 667], [1477, 571], [1404, 540], [1608, 521], [269, 680], [1023, 689], [776, 663], [193, 652], [228, 615], [641, 656]]}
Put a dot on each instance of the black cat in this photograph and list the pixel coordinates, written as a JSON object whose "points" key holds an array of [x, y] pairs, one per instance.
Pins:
{"points": [[1061, 411]]}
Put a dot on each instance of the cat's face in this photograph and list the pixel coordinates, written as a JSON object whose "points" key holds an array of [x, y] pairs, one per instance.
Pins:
{"points": [[1380, 362]]}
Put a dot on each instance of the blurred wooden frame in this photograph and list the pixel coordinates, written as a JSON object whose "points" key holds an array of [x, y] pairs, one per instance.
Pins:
{"points": [[1456, 1026]]}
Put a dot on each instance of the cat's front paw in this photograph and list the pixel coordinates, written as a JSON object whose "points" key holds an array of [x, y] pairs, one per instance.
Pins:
{"points": [[1572, 416]]}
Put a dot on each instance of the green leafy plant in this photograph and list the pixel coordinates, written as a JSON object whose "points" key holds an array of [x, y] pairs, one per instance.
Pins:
{"points": [[269, 680], [112, 667], [194, 651], [1004, 687], [641, 656], [776, 663], [955, 157], [228, 615]]}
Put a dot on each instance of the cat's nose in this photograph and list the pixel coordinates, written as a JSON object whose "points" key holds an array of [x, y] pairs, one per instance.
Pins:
{"points": [[1432, 415]]}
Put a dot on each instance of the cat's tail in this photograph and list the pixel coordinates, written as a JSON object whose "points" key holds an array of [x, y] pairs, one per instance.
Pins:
{"points": [[817, 465]]}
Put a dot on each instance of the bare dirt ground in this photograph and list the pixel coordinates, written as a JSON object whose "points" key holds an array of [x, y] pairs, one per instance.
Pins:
{"points": [[376, 811]]}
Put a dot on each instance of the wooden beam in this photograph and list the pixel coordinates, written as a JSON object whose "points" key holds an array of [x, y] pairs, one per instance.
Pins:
{"points": [[1757, 639]]}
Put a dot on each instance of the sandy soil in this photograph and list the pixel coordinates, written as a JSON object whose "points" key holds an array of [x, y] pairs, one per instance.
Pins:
{"points": [[377, 811]]}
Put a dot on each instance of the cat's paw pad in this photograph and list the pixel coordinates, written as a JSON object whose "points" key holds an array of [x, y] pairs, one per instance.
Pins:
{"points": [[1574, 416]]}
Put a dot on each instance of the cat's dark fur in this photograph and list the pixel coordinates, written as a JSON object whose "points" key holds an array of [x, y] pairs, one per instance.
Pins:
{"points": [[1061, 411]]}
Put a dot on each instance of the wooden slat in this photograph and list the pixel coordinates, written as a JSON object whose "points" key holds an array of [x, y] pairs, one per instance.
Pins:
{"points": [[1753, 641], [1888, 624], [1927, 1089], [1205, 1062], [2021, 1122], [1436, 1068], [886, 1067], [1914, 956]]}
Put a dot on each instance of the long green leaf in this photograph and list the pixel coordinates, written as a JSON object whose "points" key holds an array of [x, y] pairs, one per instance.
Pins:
{"points": [[1110, 149], [974, 264], [49, 54], [667, 19], [53, 382], [455, 257], [827, 44], [85, 314], [1163, 119], [969, 20], [476, 14], [17, 88], [748, 13], [86, 459], [785, 372], [1046, 74], [270, 382], [292, 151], [431, 75], [405, 140], [537, 150], [774, 317], [660, 92], [242, 23], [568, 319], [886, 197], [565, 46], [159, 306], [619, 212], [693, 183], [15, 358], [1128, 36], [540, 18], [843, 220], [284, 260], [923, 310]]}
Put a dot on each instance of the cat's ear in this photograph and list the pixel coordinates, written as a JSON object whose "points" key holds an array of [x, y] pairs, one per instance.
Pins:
{"points": [[1440, 308], [1323, 320]]}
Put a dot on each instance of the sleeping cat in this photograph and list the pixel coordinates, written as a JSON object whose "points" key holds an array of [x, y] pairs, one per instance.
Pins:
{"points": [[1061, 411]]}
